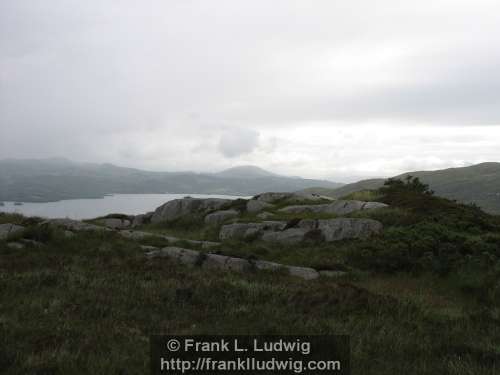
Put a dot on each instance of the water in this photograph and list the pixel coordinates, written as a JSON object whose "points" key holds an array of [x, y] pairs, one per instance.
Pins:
{"points": [[130, 204]]}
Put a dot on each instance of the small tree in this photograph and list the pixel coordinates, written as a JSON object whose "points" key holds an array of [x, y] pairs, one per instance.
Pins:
{"points": [[409, 184]]}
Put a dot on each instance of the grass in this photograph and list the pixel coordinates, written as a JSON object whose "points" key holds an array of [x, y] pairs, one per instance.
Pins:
{"points": [[89, 305]]}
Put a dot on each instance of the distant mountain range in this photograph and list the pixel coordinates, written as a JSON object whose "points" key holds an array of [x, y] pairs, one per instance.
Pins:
{"points": [[44, 180], [479, 184]]}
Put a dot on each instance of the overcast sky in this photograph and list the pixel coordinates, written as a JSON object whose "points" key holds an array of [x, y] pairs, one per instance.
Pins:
{"points": [[325, 89]]}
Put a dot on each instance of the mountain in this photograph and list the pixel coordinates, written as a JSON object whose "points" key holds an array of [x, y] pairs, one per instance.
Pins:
{"points": [[42, 180], [479, 184], [245, 171]]}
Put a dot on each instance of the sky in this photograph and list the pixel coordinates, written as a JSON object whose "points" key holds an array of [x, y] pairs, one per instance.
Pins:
{"points": [[342, 90]]}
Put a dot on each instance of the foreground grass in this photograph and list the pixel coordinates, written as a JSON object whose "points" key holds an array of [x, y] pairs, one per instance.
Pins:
{"points": [[88, 305]]}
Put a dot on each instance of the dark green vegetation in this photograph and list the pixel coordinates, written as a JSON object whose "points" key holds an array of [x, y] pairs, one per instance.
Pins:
{"points": [[57, 179], [422, 298], [479, 184]]}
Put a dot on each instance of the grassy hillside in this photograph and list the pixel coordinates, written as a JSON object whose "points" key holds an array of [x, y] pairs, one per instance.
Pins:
{"points": [[479, 184], [421, 298]]}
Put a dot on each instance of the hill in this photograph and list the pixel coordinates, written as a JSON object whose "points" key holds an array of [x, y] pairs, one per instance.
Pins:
{"points": [[479, 184], [56, 179], [421, 297], [245, 171]]}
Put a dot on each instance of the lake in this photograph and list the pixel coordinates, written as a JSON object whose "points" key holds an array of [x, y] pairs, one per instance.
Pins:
{"points": [[130, 204]]}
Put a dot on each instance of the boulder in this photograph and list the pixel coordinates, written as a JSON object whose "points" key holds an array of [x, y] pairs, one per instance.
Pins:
{"points": [[340, 207], [344, 228], [288, 236], [177, 208], [254, 205], [218, 217], [16, 245], [74, 225], [244, 231], [227, 263], [223, 262], [141, 219], [114, 223], [139, 235], [8, 229], [302, 272], [305, 273], [185, 256]]}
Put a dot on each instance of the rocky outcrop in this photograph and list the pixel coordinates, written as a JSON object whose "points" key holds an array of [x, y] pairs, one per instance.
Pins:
{"points": [[115, 223], [73, 225], [341, 229], [273, 197], [223, 262], [218, 217], [340, 207], [141, 219], [242, 231], [138, 235], [255, 205], [288, 236], [8, 229], [177, 208], [308, 229]]}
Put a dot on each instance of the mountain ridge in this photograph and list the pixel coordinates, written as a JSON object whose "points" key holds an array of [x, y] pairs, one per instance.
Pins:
{"points": [[44, 180]]}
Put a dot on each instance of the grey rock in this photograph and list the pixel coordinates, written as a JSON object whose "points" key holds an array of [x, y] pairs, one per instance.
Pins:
{"points": [[340, 229], [139, 235], [227, 263], [266, 265], [32, 242], [8, 229], [288, 236], [141, 219], [218, 217], [309, 224], [16, 245], [305, 273], [115, 223], [216, 261], [185, 256], [374, 205], [247, 230], [255, 205], [332, 274], [177, 208], [340, 207]]}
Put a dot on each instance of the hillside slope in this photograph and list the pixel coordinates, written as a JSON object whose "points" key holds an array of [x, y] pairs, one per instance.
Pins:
{"points": [[479, 184]]}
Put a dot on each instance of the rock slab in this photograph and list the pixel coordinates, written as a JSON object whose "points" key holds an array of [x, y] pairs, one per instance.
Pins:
{"points": [[8, 229], [177, 208]]}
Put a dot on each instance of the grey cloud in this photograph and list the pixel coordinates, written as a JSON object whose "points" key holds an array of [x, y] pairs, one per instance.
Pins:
{"points": [[89, 79], [237, 142]]}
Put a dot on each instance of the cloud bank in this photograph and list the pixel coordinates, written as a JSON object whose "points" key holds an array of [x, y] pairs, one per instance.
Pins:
{"points": [[316, 88]]}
